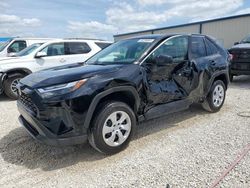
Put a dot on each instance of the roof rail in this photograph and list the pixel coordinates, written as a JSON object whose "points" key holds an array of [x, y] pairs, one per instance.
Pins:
{"points": [[83, 39]]}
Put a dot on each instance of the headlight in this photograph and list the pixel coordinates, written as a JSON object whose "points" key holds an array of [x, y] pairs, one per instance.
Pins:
{"points": [[61, 88]]}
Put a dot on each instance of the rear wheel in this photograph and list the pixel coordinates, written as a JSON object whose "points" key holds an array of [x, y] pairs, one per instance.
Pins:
{"points": [[10, 86], [112, 127], [216, 97]]}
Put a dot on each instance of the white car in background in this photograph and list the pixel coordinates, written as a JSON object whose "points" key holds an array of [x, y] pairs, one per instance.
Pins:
{"points": [[15, 45], [43, 56]]}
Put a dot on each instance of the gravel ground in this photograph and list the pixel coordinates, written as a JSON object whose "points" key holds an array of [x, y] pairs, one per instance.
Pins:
{"points": [[187, 149]]}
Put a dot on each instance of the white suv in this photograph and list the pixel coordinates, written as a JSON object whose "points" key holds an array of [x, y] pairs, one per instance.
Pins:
{"points": [[43, 56], [15, 45]]}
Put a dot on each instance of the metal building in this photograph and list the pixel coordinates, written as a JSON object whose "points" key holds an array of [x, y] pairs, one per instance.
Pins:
{"points": [[226, 30]]}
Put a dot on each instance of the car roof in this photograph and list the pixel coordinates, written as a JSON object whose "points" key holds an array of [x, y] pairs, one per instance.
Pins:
{"points": [[19, 38], [162, 36]]}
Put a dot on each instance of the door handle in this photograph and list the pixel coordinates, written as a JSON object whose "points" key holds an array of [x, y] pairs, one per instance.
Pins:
{"points": [[213, 62]]}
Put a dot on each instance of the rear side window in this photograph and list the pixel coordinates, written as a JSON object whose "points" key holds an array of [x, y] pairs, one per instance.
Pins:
{"points": [[211, 48], [102, 45], [17, 46], [77, 48], [54, 49], [198, 47]]}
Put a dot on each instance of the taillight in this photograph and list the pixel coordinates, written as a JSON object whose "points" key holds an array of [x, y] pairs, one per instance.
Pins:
{"points": [[231, 57]]}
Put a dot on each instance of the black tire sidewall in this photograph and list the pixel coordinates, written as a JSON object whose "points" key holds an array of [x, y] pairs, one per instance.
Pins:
{"points": [[99, 121], [210, 96], [7, 86], [231, 76]]}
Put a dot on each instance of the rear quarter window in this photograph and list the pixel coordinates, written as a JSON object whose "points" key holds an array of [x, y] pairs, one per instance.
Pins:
{"points": [[76, 48], [211, 48], [198, 48]]}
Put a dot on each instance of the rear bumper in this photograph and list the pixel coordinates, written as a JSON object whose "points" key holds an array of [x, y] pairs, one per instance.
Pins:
{"points": [[39, 132]]}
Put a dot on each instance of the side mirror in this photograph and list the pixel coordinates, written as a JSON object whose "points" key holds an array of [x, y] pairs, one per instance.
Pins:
{"points": [[163, 60], [41, 54], [11, 50], [236, 43]]}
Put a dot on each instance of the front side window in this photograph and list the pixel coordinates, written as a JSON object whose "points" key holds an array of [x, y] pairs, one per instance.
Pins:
{"points": [[54, 49], [76, 48], [176, 47], [198, 47], [17, 46], [122, 52], [29, 49]]}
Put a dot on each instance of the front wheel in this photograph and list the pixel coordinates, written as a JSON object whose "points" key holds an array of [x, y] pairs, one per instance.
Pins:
{"points": [[112, 127], [10, 86], [216, 97]]}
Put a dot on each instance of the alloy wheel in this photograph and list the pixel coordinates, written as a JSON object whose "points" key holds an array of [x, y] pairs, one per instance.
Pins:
{"points": [[116, 128]]}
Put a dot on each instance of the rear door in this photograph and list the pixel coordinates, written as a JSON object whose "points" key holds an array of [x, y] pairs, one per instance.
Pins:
{"points": [[215, 59], [77, 52]]}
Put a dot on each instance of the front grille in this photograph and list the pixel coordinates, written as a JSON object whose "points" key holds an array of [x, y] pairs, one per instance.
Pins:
{"points": [[27, 102]]}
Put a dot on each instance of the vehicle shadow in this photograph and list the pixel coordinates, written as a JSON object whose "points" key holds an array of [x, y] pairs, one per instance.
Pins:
{"points": [[241, 82], [3, 97], [19, 148]]}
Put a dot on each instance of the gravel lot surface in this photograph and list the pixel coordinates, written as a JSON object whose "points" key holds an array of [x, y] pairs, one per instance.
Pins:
{"points": [[187, 149]]}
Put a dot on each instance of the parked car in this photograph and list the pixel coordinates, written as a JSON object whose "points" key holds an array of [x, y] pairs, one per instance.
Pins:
{"points": [[130, 81], [240, 63], [25, 52], [15, 45], [43, 56]]}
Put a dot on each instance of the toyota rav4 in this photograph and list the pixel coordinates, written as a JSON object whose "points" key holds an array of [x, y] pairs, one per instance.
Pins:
{"points": [[130, 81]]}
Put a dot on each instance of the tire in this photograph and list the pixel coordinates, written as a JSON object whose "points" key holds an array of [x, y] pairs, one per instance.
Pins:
{"points": [[9, 86], [216, 97], [231, 77], [106, 131]]}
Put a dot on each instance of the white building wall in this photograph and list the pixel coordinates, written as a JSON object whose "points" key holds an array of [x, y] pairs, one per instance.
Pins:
{"points": [[228, 31]]}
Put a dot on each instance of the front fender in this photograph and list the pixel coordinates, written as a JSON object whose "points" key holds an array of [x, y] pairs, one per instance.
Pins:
{"points": [[105, 93]]}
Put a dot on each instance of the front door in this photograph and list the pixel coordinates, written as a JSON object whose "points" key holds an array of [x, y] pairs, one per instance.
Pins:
{"points": [[55, 56], [171, 81]]}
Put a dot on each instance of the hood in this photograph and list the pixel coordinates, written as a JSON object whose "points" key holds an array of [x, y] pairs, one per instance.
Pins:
{"points": [[243, 45], [66, 74], [9, 60]]}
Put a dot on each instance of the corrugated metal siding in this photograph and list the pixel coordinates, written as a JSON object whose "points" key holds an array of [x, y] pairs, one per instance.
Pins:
{"points": [[131, 35], [228, 31], [225, 30], [185, 29]]}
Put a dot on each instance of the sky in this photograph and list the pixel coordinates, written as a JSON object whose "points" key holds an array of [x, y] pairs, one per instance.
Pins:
{"points": [[104, 18]]}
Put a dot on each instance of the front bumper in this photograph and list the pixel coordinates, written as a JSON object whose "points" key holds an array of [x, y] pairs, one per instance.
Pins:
{"points": [[39, 132]]}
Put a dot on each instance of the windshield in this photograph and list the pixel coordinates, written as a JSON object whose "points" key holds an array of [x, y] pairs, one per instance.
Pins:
{"points": [[122, 52], [246, 40], [4, 44], [28, 50]]}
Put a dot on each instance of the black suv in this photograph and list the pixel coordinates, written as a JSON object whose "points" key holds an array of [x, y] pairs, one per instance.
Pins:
{"points": [[240, 63], [130, 81]]}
